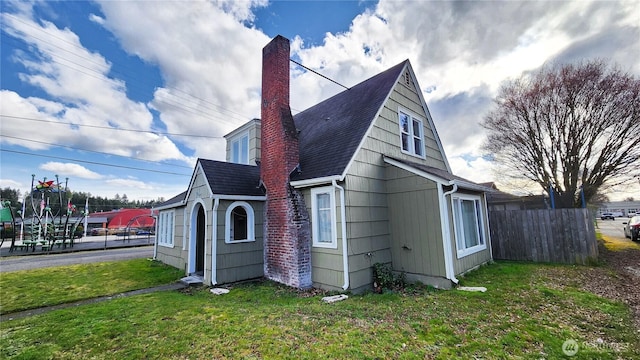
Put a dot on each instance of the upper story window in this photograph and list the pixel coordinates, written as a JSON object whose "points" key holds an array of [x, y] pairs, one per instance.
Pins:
{"points": [[165, 228], [240, 149], [323, 217], [411, 134], [469, 224], [239, 223]]}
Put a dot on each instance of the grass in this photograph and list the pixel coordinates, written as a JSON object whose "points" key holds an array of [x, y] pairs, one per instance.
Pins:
{"points": [[526, 313], [29, 289], [615, 244]]}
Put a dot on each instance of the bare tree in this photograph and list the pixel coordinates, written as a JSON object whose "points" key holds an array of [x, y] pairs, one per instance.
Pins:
{"points": [[567, 128]]}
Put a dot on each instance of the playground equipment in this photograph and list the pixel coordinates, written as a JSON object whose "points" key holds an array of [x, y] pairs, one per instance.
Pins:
{"points": [[47, 228], [130, 229]]}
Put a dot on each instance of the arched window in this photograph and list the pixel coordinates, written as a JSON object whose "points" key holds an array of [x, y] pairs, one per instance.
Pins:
{"points": [[239, 223]]}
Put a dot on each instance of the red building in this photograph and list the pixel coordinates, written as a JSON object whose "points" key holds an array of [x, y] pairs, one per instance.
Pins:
{"points": [[123, 218]]}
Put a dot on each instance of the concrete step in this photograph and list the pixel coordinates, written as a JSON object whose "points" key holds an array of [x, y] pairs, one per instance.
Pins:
{"points": [[192, 280]]}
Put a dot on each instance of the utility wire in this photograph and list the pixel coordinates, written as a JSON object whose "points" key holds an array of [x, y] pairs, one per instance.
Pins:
{"points": [[93, 162], [110, 128], [242, 116], [93, 151], [182, 105], [102, 77], [317, 73]]}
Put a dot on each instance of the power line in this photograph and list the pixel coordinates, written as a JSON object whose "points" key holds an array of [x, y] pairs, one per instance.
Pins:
{"points": [[317, 73], [110, 128], [242, 116], [93, 162], [93, 151], [134, 84]]}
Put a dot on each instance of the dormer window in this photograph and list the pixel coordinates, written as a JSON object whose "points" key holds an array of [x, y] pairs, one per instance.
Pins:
{"points": [[411, 134], [240, 149]]}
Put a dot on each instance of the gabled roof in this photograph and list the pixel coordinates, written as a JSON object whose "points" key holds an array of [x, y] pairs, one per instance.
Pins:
{"points": [[223, 178], [175, 201], [435, 174], [331, 131], [226, 178]]}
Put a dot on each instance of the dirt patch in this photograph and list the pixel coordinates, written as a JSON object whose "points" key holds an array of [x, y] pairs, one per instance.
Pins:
{"points": [[617, 279]]}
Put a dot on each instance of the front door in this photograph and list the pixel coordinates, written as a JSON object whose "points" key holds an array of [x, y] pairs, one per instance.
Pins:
{"points": [[200, 236]]}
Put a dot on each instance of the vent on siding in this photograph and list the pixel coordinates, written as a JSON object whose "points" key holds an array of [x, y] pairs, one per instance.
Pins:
{"points": [[407, 79]]}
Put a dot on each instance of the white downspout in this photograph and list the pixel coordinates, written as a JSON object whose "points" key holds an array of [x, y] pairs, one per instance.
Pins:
{"points": [[185, 226], [488, 228], [343, 220], [214, 242], [446, 238]]}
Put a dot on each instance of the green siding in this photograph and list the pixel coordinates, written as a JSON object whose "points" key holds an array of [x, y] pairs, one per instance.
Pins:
{"points": [[370, 210], [239, 261], [175, 256], [234, 262], [253, 127], [416, 241], [326, 264]]}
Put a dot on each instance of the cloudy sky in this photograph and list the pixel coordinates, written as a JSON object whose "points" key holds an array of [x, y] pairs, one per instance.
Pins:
{"points": [[121, 97]]}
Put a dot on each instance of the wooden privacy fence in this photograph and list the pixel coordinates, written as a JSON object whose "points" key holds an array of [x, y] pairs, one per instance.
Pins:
{"points": [[560, 236]]}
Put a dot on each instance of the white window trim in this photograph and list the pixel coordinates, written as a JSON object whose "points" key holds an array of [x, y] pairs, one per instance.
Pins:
{"points": [[250, 223], [411, 150], [314, 215], [238, 139], [166, 228], [456, 224]]}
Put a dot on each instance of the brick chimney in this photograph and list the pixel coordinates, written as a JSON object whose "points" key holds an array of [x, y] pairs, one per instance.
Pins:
{"points": [[287, 235]]}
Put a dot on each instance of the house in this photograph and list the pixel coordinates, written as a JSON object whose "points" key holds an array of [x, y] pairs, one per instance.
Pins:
{"points": [[316, 199], [500, 200]]}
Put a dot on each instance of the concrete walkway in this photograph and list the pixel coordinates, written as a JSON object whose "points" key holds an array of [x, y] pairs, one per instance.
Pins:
{"points": [[87, 243], [46, 309], [91, 243]]}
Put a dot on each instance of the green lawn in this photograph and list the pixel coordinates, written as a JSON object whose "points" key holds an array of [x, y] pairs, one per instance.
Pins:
{"points": [[526, 313], [23, 290]]}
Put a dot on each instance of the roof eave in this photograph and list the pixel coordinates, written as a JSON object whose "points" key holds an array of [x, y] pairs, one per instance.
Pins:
{"points": [[316, 181], [170, 206]]}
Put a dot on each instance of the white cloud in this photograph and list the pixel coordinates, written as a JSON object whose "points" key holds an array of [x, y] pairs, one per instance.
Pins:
{"points": [[209, 55], [96, 19], [125, 184], [9, 183], [68, 170], [215, 80], [80, 91]]}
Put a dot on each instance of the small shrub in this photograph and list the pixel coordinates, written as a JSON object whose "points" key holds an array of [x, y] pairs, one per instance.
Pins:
{"points": [[384, 278]]}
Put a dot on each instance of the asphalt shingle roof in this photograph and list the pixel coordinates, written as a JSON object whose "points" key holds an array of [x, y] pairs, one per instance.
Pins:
{"points": [[443, 174], [331, 131], [329, 134], [174, 200], [232, 179]]}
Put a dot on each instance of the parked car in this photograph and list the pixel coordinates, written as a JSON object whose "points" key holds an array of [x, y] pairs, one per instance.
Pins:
{"points": [[631, 214], [607, 215], [632, 228], [98, 232]]}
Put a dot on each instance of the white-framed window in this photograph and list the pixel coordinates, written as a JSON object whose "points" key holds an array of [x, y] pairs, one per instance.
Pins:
{"points": [[323, 217], [165, 228], [411, 134], [240, 149], [239, 223], [469, 224]]}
